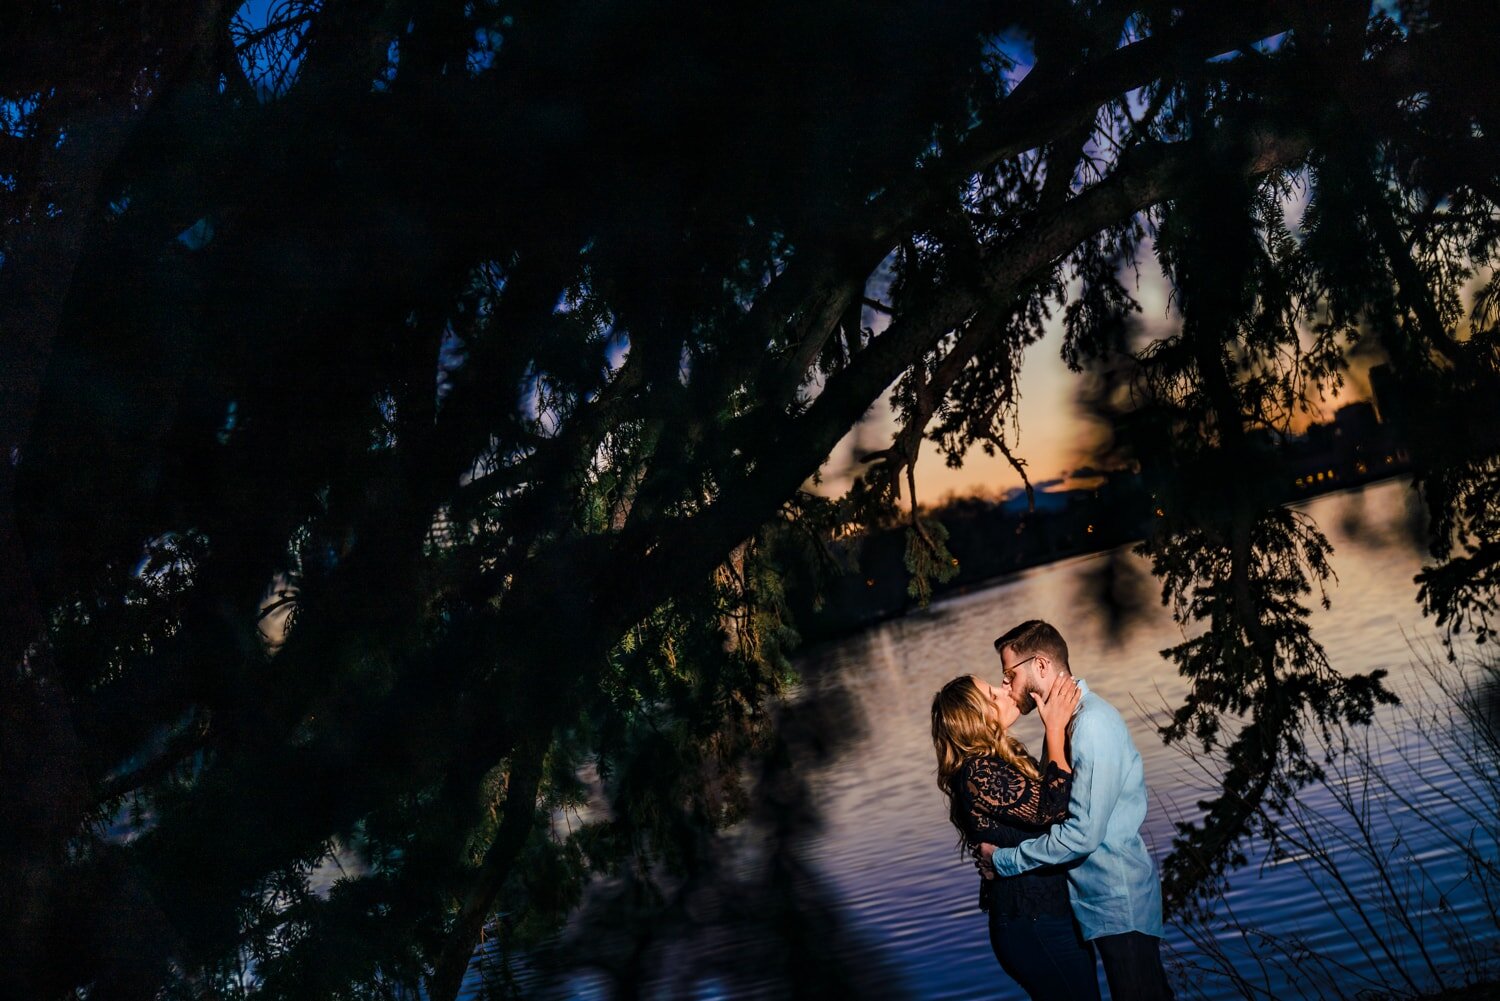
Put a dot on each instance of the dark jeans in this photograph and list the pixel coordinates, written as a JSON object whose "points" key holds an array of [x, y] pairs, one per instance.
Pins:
{"points": [[1132, 965], [1046, 956]]}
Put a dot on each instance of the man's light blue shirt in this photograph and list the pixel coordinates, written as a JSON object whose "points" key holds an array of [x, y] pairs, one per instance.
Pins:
{"points": [[1112, 880]]}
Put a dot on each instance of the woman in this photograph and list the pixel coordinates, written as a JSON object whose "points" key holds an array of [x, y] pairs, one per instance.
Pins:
{"points": [[998, 794]]}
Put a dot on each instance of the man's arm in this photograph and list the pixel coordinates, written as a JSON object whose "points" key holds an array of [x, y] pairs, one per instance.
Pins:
{"points": [[1098, 774]]}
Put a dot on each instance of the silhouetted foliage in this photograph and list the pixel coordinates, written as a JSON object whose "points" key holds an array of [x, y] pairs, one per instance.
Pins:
{"points": [[407, 406]]}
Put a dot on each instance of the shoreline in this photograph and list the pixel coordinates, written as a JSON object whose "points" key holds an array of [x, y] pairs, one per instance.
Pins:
{"points": [[945, 594]]}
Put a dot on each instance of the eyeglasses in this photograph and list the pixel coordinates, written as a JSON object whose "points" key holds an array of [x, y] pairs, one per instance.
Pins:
{"points": [[1010, 672]]}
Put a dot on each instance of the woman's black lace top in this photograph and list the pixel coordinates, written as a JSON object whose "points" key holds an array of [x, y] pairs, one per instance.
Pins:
{"points": [[1001, 806]]}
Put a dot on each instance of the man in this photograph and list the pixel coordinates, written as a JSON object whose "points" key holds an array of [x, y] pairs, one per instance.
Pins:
{"points": [[1112, 881]]}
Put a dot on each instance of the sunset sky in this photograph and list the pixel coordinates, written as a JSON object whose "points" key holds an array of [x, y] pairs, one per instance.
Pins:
{"points": [[1056, 436]]}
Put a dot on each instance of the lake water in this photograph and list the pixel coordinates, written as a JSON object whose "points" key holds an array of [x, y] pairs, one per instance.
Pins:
{"points": [[885, 855], [881, 802]]}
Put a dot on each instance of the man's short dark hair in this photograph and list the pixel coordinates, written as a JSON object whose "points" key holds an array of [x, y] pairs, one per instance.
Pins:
{"points": [[1035, 636]]}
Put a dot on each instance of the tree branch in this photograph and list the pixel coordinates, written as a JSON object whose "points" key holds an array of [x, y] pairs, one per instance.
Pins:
{"points": [[157, 768], [800, 445], [577, 439], [251, 38], [1411, 287], [1042, 108], [516, 823]]}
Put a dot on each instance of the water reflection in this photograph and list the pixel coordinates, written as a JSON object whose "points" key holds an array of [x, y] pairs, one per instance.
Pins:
{"points": [[1120, 590], [753, 916], [881, 802], [851, 869]]}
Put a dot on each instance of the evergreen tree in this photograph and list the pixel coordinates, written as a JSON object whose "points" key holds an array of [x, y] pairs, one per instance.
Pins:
{"points": [[407, 407]]}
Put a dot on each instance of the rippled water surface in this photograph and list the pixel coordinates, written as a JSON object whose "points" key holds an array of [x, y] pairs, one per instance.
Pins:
{"points": [[888, 854]]}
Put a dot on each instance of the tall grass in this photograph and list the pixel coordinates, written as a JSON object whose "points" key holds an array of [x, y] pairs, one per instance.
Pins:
{"points": [[1398, 842]]}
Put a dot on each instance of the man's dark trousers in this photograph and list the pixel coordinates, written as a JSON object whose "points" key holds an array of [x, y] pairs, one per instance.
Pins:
{"points": [[1132, 964]]}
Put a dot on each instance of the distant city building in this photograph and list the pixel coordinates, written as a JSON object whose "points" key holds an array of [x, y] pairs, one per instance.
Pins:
{"points": [[1357, 421], [989, 538], [1354, 447]]}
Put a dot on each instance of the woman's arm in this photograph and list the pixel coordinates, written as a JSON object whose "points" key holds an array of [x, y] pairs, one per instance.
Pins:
{"points": [[1056, 712]]}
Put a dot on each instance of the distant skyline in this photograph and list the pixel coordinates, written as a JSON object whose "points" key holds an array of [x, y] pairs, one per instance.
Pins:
{"points": [[1057, 438]]}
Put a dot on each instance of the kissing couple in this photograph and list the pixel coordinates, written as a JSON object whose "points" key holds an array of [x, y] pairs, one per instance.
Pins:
{"points": [[1058, 842]]}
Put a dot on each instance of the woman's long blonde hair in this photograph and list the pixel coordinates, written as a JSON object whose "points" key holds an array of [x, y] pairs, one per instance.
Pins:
{"points": [[962, 729]]}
